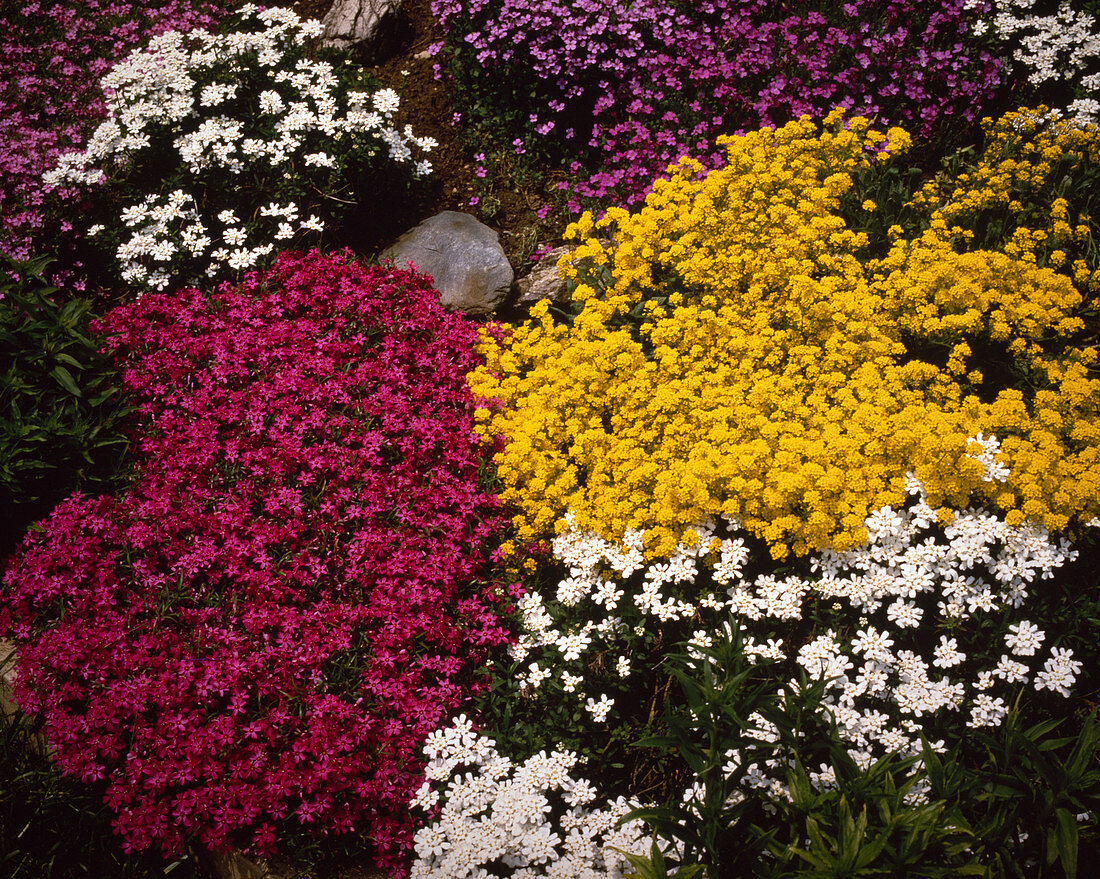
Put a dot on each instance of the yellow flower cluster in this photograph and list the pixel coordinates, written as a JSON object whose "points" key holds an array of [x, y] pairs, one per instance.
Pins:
{"points": [[742, 361], [1019, 181]]}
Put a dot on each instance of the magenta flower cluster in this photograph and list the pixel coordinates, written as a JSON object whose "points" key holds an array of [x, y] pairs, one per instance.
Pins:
{"points": [[52, 54], [296, 587], [639, 84]]}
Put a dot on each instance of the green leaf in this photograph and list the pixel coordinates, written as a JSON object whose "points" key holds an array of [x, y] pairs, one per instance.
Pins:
{"points": [[65, 378], [1065, 837], [655, 867], [933, 765], [71, 313], [1084, 749], [101, 398], [69, 359]]}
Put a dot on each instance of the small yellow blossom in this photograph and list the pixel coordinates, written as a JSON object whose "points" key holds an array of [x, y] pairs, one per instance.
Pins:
{"points": [[733, 353]]}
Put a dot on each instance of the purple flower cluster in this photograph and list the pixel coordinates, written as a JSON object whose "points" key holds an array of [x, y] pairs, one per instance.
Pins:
{"points": [[295, 589], [642, 83], [52, 53]]}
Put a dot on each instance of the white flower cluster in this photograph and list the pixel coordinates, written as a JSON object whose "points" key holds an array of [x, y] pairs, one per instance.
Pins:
{"points": [[915, 575], [987, 457], [1059, 47], [184, 89], [160, 224], [496, 812], [597, 569]]}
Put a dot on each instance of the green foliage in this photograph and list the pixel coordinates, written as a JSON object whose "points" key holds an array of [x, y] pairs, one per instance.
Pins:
{"points": [[655, 866], [721, 691], [890, 187], [1008, 803], [1023, 794], [496, 103], [61, 412], [866, 827]]}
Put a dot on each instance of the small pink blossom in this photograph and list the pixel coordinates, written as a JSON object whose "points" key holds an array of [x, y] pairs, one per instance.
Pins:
{"points": [[296, 587]]}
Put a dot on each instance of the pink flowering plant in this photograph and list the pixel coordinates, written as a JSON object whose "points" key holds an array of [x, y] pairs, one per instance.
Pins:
{"points": [[255, 638]]}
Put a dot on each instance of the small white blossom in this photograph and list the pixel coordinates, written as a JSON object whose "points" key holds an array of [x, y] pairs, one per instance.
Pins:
{"points": [[386, 101], [182, 88], [536, 675], [599, 709], [271, 102], [947, 653], [573, 645], [904, 614], [987, 711], [1059, 672], [1023, 638], [234, 237], [501, 812], [1011, 671]]}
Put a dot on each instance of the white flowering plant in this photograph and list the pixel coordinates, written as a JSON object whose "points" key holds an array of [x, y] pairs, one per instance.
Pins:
{"points": [[222, 148], [739, 819], [531, 819], [944, 628], [781, 786], [1056, 48]]}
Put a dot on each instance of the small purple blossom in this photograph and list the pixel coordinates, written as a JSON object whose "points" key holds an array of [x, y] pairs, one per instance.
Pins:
{"points": [[658, 82]]}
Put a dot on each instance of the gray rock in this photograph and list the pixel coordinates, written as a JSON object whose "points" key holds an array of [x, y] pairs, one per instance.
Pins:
{"points": [[366, 23], [36, 743], [230, 865], [7, 676], [464, 258], [544, 281]]}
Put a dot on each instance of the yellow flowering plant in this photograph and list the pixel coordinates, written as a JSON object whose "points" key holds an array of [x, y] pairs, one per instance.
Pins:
{"points": [[735, 352], [1032, 192]]}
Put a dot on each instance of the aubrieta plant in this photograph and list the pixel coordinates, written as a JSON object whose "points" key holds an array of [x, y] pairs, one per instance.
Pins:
{"points": [[256, 637], [222, 148], [634, 86]]}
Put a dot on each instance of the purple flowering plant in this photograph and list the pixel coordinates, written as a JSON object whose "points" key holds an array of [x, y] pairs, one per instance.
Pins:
{"points": [[254, 639], [626, 89]]}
